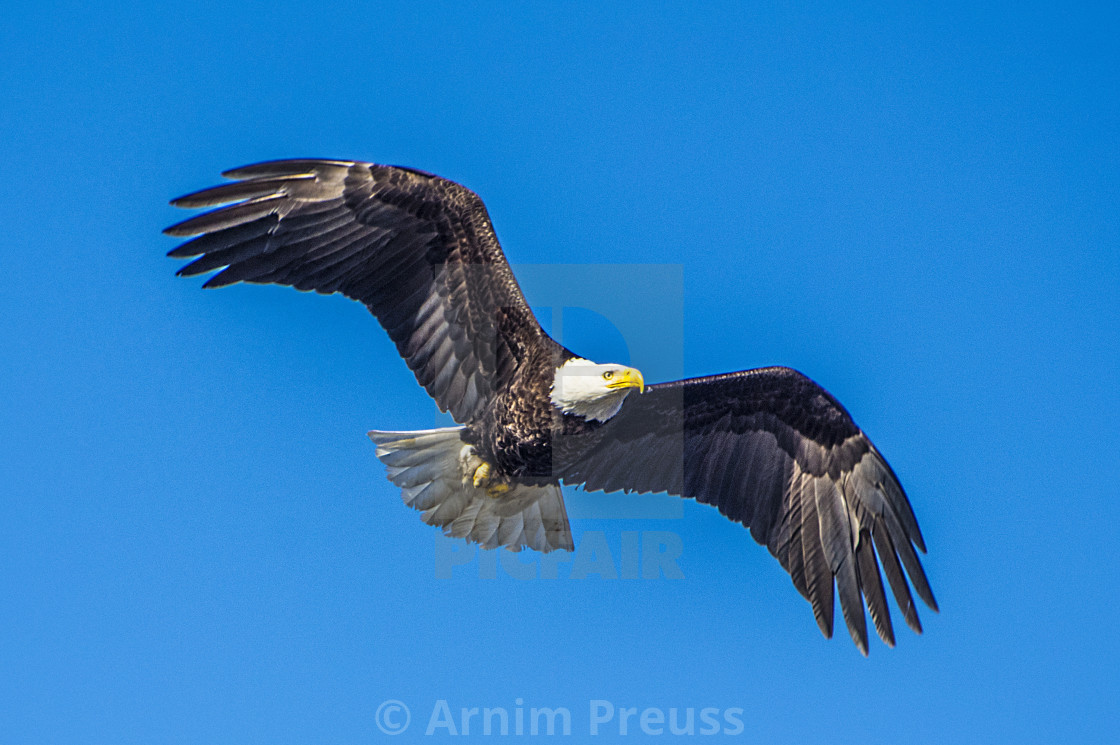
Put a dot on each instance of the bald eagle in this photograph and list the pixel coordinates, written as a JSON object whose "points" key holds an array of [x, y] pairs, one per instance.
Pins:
{"points": [[769, 447]]}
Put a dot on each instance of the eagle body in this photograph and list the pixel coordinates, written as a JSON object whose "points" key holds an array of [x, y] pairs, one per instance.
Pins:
{"points": [[516, 432], [769, 448]]}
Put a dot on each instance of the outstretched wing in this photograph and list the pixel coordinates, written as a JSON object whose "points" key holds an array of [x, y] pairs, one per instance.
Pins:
{"points": [[419, 251], [773, 450]]}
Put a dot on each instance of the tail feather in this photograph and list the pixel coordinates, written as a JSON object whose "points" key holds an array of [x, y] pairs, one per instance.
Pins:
{"points": [[435, 469]]}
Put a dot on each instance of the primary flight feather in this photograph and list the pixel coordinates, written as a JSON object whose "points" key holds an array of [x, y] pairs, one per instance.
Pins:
{"points": [[769, 448]]}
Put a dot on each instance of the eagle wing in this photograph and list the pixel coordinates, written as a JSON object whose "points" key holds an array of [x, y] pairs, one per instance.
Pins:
{"points": [[418, 250], [776, 452]]}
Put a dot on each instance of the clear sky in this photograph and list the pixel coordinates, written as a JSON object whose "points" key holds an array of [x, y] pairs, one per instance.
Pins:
{"points": [[919, 207]]}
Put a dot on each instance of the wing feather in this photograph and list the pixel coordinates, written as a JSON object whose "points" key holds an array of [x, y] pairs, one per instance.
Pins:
{"points": [[896, 579], [818, 577], [872, 584], [229, 217]]}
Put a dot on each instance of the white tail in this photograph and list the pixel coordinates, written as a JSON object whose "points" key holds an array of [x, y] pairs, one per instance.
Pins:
{"points": [[435, 471]]}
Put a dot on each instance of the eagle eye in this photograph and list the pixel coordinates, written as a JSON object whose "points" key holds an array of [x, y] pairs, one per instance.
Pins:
{"points": [[608, 374]]}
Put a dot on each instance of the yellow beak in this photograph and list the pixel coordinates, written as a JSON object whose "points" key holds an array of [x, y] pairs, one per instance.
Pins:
{"points": [[628, 378]]}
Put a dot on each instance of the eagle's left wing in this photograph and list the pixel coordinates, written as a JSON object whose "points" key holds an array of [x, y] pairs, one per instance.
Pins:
{"points": [[776, 452]]}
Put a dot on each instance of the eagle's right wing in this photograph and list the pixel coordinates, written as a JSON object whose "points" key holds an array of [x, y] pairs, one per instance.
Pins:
{"points": [[419, 251]]}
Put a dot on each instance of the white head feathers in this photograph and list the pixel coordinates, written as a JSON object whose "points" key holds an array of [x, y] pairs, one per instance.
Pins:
{"points": [[591, 390]]}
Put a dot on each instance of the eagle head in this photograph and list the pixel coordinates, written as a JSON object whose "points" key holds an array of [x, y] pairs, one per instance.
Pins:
{"points": [[591, 390]]}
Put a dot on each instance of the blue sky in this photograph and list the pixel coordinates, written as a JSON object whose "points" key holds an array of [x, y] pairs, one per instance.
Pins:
{"points": [[916, 206]]}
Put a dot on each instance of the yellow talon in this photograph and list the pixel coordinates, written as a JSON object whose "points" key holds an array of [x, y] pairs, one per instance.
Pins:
{"points": [[496, 490], [482, 475], [482, 480]]}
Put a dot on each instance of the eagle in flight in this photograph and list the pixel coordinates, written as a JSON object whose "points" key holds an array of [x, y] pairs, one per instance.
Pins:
{"points": [[769, 448]]}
